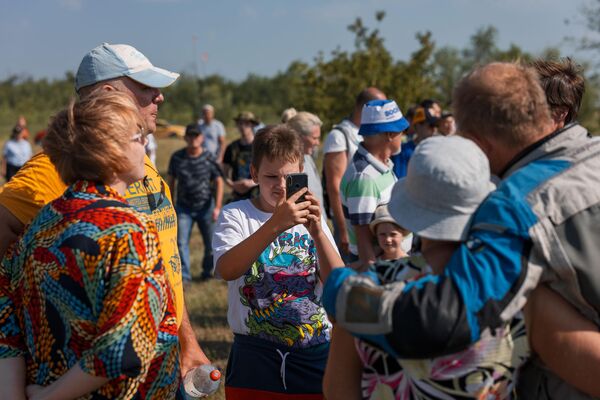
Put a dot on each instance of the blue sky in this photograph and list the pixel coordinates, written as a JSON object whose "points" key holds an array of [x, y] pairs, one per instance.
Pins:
{"points": [[46, 38]]}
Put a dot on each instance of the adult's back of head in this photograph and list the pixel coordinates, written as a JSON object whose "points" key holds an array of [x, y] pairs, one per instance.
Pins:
{"points": [[88, 139], [564, 85], [366, 95], [503, 102]]}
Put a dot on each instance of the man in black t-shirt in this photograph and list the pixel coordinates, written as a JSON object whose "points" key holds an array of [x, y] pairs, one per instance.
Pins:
{"points": [[237, 158], [194, 176]]}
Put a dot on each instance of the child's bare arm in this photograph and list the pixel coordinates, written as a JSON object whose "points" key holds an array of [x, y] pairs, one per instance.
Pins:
{"points": [[12, 378], [344, 369], [326, 251], [237, 260], [218, 198], [567, 342], [75, 383]]}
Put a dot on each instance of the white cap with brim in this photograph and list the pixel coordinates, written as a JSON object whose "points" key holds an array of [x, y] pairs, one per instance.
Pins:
{"points": [[109, 61], [447, 179], [379, 116]]}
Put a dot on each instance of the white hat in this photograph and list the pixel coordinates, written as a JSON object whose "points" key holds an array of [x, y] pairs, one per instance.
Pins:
{"points": [[380, 116], [381, 215], [109, 61], [447, 178]]}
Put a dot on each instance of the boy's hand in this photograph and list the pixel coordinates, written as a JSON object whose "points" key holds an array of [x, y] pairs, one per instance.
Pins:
{"points": [[215, 214], [288, 213], [313, 225]]}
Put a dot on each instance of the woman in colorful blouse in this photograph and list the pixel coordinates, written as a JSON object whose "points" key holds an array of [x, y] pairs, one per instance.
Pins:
{"points": [[85, 307]]}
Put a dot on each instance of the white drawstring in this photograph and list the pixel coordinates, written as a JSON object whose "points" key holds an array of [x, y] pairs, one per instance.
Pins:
{"points": [[282, 369]]}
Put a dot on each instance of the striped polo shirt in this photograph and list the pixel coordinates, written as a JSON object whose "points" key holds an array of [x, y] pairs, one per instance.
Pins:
{"points": [[367, 183]]}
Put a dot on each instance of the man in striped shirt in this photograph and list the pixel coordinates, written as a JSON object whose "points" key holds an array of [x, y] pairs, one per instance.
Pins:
{"points": [[368, 180]]}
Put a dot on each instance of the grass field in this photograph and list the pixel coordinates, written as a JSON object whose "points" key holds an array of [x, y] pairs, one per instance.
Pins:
{"points": [[206, 301]]}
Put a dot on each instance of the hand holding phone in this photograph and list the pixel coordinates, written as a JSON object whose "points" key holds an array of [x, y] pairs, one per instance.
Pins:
{"points": [[294, 183]]}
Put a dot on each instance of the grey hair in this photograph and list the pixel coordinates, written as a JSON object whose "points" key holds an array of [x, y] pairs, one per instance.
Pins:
{"points": [[304, 122]]}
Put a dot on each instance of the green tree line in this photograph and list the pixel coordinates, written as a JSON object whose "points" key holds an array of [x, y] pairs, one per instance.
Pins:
{"points": [[326, 86]]}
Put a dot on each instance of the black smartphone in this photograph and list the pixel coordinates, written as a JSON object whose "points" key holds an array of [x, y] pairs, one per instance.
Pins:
{"points": [[295, 182]]}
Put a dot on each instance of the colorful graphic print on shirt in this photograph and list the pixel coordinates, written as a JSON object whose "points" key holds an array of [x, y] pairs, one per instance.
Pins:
{"points": [[281, 291]]}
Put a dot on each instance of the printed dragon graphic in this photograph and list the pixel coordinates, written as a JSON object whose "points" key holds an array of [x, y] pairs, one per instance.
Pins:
{"points": [[280, 292]]}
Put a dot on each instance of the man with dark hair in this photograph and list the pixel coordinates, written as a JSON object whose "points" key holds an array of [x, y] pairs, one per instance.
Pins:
{"points": [[564, 85], [530, 230], [195, 177], [340, 145]]}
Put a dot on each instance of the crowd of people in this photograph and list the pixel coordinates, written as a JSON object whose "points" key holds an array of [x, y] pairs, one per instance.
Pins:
{"points": [[460, 263]]}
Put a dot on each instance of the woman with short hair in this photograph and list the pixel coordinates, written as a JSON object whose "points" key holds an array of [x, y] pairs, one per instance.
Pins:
{"points": [[84, 302]]}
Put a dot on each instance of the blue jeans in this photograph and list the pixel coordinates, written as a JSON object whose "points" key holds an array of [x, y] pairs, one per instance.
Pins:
{"points": [[185, 222]]}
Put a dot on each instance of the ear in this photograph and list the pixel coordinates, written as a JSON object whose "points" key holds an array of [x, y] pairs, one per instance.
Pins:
{"points": [[254, 173], [559, 114], [107, 87]]}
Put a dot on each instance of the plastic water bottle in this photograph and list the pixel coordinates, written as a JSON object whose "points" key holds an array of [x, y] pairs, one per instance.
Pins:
{"points": [[202, 381]]}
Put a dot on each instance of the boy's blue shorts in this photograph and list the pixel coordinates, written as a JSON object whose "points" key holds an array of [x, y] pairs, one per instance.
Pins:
{"points": [[259, 369]]}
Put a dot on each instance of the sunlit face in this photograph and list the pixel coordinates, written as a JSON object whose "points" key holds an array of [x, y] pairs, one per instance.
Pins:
{"points": [[134, 153], [395, 142], [312, 140], [447, 126], [208, 114], [194, 141], [270, 177], [389, 238], [244, 127], [147, 100]]}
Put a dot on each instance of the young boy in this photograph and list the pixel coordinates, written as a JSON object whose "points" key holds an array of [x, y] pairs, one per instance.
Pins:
{"points": [[388, 233], [275, 253], [197, 176]]}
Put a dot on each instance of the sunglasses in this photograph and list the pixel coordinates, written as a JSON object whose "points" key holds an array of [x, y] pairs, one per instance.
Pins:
{"points": [[140, 137]]}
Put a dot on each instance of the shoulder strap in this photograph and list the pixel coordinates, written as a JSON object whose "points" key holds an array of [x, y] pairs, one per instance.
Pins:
{"points": [[345, 132]]}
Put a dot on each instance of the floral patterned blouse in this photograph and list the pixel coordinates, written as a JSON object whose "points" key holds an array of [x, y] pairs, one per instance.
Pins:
{"points": [[85, 286], [486, 370]]}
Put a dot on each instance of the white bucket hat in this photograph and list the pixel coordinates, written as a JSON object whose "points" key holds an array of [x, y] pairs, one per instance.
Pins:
{"points": [[379, 116], [447, 178], [109, 61]]}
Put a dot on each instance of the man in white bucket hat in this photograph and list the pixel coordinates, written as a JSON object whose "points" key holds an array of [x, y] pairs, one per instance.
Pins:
{"points": [[368, 180], [526, 232], [111, 67]]}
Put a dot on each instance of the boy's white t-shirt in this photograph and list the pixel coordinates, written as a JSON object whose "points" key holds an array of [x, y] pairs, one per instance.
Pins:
{"points": [[279, 297]]}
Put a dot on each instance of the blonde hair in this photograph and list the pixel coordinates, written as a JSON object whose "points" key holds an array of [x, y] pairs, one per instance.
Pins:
{"points": [[89, 139], [288, 114], [304, 122]]}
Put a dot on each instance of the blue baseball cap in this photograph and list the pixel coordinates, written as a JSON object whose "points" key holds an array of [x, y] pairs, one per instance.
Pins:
{"points": [[109, 61], [380, 116]]}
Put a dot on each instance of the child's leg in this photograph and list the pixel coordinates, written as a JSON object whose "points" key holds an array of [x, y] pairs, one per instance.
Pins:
{"points": [[184, 231]]}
